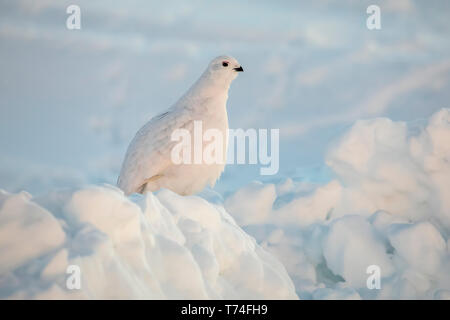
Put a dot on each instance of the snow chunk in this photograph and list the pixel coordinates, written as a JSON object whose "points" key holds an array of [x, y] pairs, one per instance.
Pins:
{"points": [[351, 246], [22, 223], [419, 244], [387, 165]]}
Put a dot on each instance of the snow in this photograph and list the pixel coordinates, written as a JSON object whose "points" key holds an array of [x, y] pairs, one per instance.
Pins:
{"points": [[387, 205], [154, 247], [350, 246], [252, 203], [420, 245], [21, 219]]}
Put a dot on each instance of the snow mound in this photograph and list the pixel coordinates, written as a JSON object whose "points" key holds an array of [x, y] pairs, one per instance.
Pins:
{"points": [[160, 246], [388, 206]]}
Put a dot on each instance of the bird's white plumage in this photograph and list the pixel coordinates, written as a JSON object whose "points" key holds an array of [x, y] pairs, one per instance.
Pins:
{"points": [[148, 165]]}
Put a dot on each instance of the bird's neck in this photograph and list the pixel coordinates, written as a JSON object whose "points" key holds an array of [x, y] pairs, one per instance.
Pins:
{"points": [[208, 86]]}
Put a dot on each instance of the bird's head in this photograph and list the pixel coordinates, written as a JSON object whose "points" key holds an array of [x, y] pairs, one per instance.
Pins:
{"points": [[224, 68]]}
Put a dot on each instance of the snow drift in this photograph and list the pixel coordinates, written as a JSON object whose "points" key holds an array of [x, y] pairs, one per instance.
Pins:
{"points": [[153, 247], [388, 206]]}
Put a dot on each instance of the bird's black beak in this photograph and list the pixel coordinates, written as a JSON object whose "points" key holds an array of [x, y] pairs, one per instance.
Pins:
{"points": [[239, 69]]}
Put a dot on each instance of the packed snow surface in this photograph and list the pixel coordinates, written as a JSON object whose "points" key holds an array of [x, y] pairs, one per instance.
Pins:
{"points": [[152, 247]]}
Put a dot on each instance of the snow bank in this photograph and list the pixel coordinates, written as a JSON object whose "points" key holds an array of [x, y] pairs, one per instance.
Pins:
{"points": [[388, 206], [153, 247]]}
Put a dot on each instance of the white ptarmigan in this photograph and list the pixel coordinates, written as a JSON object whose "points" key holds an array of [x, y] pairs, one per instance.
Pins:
{"points": [[148, 165]]}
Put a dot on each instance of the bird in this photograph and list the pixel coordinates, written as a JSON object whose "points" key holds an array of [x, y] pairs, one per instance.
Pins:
{"points": [[148, 164]]}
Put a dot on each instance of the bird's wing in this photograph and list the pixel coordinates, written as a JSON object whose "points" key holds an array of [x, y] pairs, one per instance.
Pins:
{"points": [[149, 152]]}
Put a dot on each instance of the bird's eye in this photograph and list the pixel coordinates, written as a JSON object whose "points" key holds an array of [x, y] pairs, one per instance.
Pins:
{"points": [[225, 64]]}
